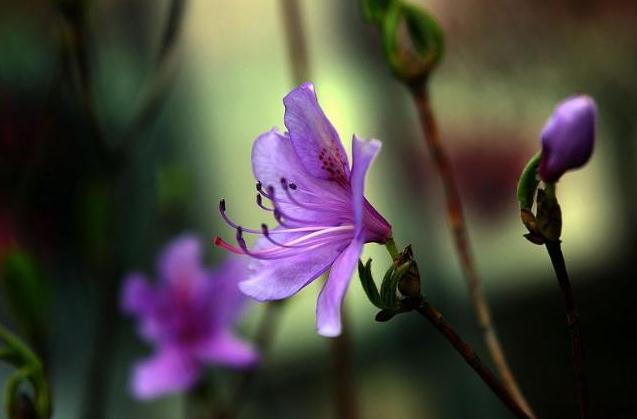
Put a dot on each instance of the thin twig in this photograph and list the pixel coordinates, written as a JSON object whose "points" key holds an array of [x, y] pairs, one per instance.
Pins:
{"points": [[439, 322], [296, 41], [577, 343], [459, 230]]}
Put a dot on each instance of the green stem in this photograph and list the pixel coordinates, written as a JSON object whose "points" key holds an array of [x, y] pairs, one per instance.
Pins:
{"points": [[390, 245], [30, 367]]}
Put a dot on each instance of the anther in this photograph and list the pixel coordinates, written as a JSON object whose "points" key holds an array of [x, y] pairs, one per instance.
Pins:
{"points": [[261, 205]]}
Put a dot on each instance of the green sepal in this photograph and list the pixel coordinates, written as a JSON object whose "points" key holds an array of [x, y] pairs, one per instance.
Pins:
{"points": [[388, 287], [528, 182], [367, 281], [549, 214], [389, 313]]}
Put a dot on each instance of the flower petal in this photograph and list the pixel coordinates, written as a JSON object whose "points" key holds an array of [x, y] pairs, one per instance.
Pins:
{"points": [[363, 154], [314, 138], [137, 296], [328, 307], [367, 220], [180, 260], [273, 159], [168, 371], [280, 278], [226, 349]]}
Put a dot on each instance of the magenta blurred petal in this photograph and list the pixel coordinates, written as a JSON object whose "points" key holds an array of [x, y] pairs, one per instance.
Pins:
{"points": [[168, 371], [226, 349]]}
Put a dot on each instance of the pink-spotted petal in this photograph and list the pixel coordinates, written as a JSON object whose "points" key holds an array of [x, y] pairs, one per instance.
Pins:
{"points": [[280, 278], [168, 371], [273, 159], [328, 308], [314, 138], [228, 350]]}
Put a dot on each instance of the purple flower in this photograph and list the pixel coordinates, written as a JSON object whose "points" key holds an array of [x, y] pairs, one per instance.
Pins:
{"points": [[568, 137], [318, 202], [187, 317]]}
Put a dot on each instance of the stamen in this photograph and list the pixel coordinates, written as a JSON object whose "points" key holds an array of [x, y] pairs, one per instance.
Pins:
{"points": [[219, 242], [261, 205], [266, 233], [222, 210]]}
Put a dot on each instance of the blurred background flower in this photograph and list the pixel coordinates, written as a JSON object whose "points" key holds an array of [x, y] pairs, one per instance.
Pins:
{"points": [[188, 316]]}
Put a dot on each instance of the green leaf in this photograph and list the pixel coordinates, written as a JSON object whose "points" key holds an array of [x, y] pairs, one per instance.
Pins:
{"points": [[367, 281], [25, 291], [375, 10]]}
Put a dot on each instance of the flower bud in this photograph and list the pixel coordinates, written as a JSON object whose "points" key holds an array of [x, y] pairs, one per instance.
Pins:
{"points": [[568, 137]]}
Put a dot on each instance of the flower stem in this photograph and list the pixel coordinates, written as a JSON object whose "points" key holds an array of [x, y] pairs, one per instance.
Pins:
{"points": [[390, 245], [459, 230], [435, 317], [577, 343]]}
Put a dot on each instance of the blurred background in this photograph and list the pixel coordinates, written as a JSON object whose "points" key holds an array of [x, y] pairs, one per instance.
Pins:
{"points": [[182, 88]]}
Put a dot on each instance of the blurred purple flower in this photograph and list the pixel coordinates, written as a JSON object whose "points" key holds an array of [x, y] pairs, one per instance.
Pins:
{"points": [[323, 217], [187, 316], [568, 137]]}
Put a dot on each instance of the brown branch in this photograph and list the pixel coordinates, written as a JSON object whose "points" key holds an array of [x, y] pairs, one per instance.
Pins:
{"points": [[459, 231], [577, 343], [471, 358]]}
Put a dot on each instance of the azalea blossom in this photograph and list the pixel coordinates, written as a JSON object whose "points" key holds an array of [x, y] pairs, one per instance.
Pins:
{"points": [[317, 200], [568, 137], [188, 317]]}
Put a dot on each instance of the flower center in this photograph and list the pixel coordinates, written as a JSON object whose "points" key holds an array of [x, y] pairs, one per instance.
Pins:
{"points": [[296, 233]]}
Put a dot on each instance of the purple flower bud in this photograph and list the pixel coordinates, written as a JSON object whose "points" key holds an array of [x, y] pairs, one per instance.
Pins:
{"points": [[568, 137]]}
